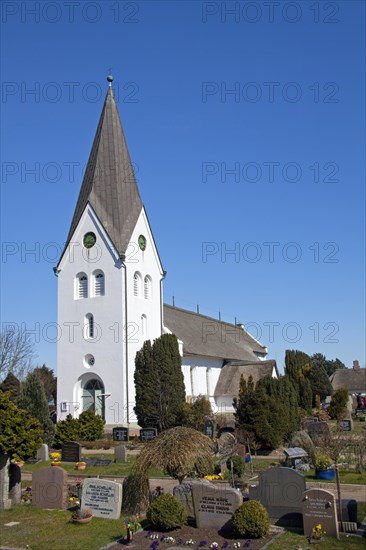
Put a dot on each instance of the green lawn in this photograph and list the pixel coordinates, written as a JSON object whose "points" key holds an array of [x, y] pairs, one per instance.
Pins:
{"points": [[292, 541], [114, 469], [346, 476], [52, 530]]}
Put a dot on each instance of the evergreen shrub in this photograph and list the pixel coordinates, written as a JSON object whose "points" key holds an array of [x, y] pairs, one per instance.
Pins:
{"points": [[251, 519], [166, 512]]}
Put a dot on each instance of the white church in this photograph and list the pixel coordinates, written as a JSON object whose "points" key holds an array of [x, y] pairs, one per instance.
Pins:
{"points": [[110, 299]]}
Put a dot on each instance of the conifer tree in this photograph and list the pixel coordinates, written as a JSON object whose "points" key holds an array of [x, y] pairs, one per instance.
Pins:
{"points": [[159, 384], [298, 367], [32, 398], [11, 384]]}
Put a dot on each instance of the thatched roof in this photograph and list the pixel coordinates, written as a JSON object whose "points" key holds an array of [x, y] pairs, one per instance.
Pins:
{"points": [[229, 379], [353, 380], [202, 335]]}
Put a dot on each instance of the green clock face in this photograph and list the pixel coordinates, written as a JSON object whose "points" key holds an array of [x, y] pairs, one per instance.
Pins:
{"points": [[89, 240], [142, 242]]}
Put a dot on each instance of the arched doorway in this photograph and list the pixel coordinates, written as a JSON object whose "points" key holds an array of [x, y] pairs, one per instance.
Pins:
{"points": [[94, 397]]}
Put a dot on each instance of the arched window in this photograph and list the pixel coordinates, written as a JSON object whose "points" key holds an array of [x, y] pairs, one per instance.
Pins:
{"points": [[147, 287], [81, 286], [94, 397], [89, 326], [99, 283], [137, 284]]}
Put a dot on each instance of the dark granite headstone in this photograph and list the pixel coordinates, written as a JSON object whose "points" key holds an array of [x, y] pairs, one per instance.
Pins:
{"points": [[71, 452], [120, 434], [147, 434], [32, 461], [281, 490], [91, 461], [346, 424], [209, 429], [15, 483], [318, 431], [102, 462]]}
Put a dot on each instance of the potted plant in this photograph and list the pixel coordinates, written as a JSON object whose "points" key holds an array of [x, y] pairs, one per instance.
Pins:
{"points": [[324, 467], [55, 458], [82, 516], [80, 465]]}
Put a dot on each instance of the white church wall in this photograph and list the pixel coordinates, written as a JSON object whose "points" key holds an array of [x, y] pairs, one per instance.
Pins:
{"points": [[107, 346], [144, 316], [201, 375]]}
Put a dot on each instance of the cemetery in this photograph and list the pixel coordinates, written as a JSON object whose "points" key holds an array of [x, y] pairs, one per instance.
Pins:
{"points": [[252, 503]]}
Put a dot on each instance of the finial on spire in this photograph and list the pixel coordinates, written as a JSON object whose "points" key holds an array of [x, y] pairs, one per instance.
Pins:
{"points": [[110, 77]]}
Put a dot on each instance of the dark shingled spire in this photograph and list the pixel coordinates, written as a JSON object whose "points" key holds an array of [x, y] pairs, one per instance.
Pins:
{"points": [[109, 183]]}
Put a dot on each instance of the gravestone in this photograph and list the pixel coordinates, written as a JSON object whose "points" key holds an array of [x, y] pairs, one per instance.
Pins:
{"points": [[49, 488], [5, 502], [280, 490], [346, 424], [32, 461], [214, 506], [120, 454], [147, 434], [15, 483], [102, 462], [183, 493], [103, 497], [318, 431], [209, 429], [90, 461], [71, 452], [120, 434], [349, 510], [319, 507], [42, 453]]}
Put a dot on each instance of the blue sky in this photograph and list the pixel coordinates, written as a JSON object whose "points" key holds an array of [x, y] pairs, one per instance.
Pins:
{"points": [[247, 134]]}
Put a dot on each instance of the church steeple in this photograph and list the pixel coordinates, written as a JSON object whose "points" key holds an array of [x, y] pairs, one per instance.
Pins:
{"points": [[109, 183]]}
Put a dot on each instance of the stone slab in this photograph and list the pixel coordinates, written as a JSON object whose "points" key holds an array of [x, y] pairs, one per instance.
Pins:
{"points": [[120, 453], [42, 453], [5, 501], [103, 497], [183, 493], [214, 506], [49, 488], [281, 490], [319, 507]]}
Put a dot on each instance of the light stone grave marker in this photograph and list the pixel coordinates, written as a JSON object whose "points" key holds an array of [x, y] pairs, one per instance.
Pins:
{"points": [[49, 488], [281, 490], [183, 492], [120, 454], [103, 497], [319, 507], [5, 502], [214, 506], [42, 453]]}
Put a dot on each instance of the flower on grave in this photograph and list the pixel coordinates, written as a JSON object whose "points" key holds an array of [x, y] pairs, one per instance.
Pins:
{"points": [[55, 456], [154, 536], [225, 544], [237, 544], [214, 545], [318, 531], [247, 543], [80, 463], [190, 542], [323, 462], [132, 523], [154, 545], [202, 543]]}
